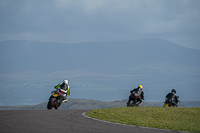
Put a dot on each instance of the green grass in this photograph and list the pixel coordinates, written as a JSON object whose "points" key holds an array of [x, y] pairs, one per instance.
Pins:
{"points": [[177, 119]]}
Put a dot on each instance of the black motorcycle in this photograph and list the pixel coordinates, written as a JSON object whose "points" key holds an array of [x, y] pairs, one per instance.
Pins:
{"points": [[55, 99], [133, 100], [169, 103]]}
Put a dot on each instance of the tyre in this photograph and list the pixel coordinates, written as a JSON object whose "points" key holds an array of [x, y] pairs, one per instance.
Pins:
{"points": [[130, 103], [51, 103], [134, 103], [57, 105]]}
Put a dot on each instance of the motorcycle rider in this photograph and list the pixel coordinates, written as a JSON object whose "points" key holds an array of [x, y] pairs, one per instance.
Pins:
{"points": [[65, 89], [139, 92], [173, 97]]}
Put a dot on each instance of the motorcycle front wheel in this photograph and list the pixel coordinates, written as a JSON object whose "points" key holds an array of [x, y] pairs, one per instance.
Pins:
{"points": [[51, 103], [131, 103]]}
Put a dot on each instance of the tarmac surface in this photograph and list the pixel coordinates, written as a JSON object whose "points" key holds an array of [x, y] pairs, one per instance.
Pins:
{"points": [[62, 121]]}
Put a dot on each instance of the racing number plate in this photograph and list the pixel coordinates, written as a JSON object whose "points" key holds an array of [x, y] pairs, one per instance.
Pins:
{"points": [[166, 105], [54, 94]]}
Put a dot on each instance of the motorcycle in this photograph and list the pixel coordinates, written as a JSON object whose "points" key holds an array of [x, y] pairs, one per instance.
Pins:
{"points": [[133, 102], [55, 99], [168, 103]]}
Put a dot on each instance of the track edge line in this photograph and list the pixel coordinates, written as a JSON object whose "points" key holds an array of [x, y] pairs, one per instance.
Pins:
{"points": [[84, 114]]}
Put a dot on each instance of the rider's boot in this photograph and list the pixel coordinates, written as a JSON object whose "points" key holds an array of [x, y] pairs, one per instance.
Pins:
{"points": [[64, 100]]}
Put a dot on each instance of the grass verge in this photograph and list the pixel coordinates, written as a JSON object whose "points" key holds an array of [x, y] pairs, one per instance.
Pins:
{"points": [[177, 119]]}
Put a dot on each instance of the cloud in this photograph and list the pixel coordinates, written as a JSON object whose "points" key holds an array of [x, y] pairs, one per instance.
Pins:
{"points": [[89, 20]]}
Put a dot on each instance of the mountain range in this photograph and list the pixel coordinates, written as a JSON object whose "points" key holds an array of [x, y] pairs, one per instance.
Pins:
{"points": [[95, 104], [103, 71]]}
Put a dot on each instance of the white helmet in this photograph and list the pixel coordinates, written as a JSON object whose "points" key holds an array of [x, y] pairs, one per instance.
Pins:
{"points": [[65, 81]]}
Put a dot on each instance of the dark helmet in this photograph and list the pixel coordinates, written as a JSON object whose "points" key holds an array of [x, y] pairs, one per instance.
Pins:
{"points": [[173, 90]]}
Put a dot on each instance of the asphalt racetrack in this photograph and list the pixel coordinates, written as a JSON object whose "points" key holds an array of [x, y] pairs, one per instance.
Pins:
{"points": [[61, 121]]}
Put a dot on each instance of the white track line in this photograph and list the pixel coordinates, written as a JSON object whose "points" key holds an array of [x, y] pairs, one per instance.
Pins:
{"points": [[84, 114]]}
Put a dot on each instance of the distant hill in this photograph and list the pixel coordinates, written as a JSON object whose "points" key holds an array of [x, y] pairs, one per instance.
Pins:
{"points": [[97, 70], [77, 104], [74, 104], [95, 104]]}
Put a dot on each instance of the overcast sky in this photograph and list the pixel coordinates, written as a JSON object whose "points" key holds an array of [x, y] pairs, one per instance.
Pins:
{"points": [[177, 21]]}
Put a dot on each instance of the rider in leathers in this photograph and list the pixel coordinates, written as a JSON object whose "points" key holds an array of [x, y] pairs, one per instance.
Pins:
{"points": [[138, 91], [173, 96], [64, 87]]}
